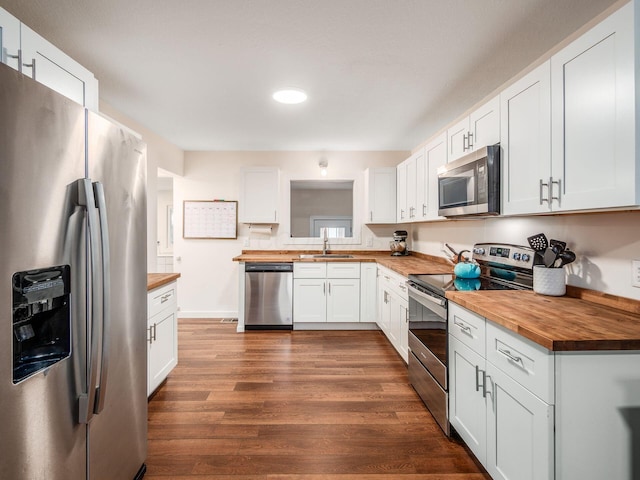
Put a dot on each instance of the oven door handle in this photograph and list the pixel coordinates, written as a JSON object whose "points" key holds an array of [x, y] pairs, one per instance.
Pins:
{"points": [[425, 296]]}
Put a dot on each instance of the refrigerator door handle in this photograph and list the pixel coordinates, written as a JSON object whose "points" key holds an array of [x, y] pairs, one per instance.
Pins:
{"points": [[86, 400], [101, 390]]}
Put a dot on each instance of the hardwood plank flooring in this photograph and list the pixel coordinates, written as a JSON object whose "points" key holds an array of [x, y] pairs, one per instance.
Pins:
{"points": [[294, 406]]}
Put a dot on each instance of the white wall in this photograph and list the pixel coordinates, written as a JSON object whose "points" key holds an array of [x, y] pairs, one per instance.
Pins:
{"points": [[605, 243], [209, 281]]}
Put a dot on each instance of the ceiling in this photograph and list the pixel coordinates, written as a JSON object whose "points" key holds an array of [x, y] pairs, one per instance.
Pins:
{"points": [[380, 74]]}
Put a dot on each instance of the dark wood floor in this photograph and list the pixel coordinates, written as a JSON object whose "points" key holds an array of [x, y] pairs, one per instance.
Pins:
{"points": [[294, 405]]}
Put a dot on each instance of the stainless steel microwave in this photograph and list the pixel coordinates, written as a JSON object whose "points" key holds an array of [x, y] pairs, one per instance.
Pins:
{"points": [[470, 186]]}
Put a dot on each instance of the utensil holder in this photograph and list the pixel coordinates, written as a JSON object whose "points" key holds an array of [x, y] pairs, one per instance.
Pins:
{"points": [[549, 281]]}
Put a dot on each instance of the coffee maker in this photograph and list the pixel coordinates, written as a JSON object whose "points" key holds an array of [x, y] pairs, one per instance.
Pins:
{"points": [[399, 243]]}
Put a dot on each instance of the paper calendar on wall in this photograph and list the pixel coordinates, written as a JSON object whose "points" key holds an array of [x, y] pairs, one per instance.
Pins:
{"points": [[210, 219]]}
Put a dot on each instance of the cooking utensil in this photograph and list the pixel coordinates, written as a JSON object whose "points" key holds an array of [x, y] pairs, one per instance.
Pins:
{"points": [[538, 242], [451, 249], [565, 258], [549, 258], [557, 246], [448, 256]]}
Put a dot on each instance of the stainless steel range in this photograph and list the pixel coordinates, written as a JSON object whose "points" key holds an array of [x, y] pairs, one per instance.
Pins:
{"points": [[503, 267]]}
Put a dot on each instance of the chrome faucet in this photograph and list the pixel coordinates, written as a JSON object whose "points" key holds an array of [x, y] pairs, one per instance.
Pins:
{"points": [[325, 243]]}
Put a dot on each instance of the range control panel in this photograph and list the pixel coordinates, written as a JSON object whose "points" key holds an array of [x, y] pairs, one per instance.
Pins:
{"points": [[504, 254]]}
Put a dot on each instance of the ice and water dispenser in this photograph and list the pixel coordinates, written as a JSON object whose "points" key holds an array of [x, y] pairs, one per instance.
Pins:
{"points": [[41, 320]]}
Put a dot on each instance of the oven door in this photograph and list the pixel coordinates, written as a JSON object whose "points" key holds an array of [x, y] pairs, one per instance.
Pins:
{"points": [[428, 332]]}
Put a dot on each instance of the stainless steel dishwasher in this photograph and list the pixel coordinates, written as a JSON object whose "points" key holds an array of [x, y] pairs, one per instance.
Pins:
{"points": [[268, 296]]}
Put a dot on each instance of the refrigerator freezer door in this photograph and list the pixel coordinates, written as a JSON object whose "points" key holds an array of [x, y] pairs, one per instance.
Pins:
{"points": [[41, 155], [118, 430]]}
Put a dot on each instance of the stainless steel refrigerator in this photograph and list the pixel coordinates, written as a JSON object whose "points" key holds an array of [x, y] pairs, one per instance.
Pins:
{"points": [[73, 305]]}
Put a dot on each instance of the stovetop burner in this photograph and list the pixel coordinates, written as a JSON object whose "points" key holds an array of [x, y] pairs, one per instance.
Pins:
{"points": [[504, 267], [440, 283]]}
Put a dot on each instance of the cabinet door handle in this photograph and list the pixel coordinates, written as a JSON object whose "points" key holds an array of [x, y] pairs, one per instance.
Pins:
{"points": [[155, 331], [551, 183], [465, 328], [424, 209], [275, 215], [401, 214], [329, 288], [150, 340], [32, 66], [324, 289], [470, 140], [17, 57], [371, 216], [485, 391], [511, 356], [542, 185], [477, 374], [464, 142]]}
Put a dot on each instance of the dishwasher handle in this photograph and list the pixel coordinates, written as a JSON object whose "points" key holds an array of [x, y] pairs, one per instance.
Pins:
{"points": [[268, 267]]}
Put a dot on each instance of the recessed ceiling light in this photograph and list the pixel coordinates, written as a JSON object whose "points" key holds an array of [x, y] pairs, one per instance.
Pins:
{"points": [[290, 96]]}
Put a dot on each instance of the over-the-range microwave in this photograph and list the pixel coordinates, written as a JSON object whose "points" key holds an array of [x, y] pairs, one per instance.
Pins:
{"points": [[470, 186]]}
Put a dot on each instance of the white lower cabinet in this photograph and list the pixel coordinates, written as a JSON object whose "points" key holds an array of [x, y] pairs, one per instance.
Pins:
{"points": [[326, 292], [368, 291], [467, 405], [519, 430], [393, 310], [162, 334], [507, 427]]}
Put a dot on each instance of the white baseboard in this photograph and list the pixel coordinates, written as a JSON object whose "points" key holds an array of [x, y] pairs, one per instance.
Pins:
{"points": [[335, 326], [207, 314]]}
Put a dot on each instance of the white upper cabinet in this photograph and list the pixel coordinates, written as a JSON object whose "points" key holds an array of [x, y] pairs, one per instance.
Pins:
{"points": [[525, 108], [412, 184], [9, 38], [380, 195], [407, 189], [50, 66], [478, 130], [593, 118], [435, 156], [260, 192], [29, 53], [402, 214]]}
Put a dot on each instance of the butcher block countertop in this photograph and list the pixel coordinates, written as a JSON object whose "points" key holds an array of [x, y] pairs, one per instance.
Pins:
{"points": [[155, 280], [582, 320], [404, 265]]}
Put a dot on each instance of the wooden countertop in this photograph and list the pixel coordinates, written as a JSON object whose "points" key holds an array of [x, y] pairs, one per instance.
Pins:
{"points": [[404, 265], [559, 323], [155, 280], [580, 321]]}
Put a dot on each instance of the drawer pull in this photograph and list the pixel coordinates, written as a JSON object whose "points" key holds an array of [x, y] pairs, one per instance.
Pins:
{"points": [[511, 356], [465, 328], [165, 297]]}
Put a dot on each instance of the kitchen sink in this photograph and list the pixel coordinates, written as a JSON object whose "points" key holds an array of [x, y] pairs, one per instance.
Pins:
{"points": [[325, 255]]}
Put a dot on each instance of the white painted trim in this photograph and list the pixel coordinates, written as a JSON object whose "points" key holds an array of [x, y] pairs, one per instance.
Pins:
{"points": [[358, 205], [207, 314], [335, 326]]}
